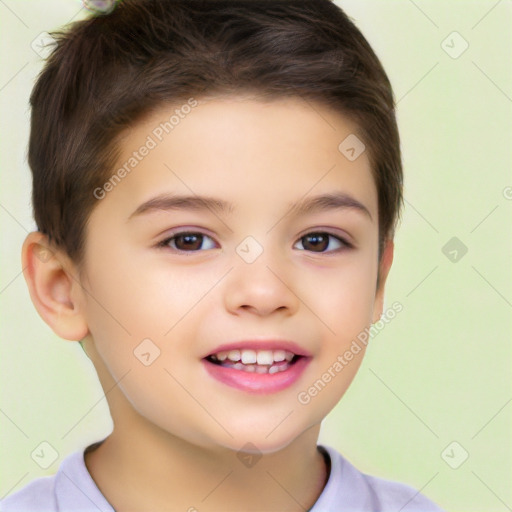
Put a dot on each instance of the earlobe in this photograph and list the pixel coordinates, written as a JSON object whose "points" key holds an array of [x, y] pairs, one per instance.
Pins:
{"points": [[384, 267], [54, 287]]}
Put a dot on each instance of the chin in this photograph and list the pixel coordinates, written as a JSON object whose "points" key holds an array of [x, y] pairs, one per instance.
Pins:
{"points": [[263, 441]]}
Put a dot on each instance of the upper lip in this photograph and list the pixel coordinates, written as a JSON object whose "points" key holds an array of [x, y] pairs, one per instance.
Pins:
{"points": [[261, 344]]}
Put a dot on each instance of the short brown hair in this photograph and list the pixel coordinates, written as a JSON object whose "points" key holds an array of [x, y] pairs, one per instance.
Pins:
{"points": [[110, 70]]}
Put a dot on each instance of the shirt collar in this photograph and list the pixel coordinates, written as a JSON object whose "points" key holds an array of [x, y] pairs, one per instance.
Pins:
{"points": [[346, 488]]}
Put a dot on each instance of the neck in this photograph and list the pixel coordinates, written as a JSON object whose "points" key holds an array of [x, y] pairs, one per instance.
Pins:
{"points": [[141, 467]]}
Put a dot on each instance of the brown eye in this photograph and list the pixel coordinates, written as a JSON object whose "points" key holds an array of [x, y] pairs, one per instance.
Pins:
{"points": [[188, 242], [320, 242]]}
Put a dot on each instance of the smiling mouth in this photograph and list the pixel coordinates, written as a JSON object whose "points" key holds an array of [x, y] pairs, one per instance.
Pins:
{"points": [[255, 361]]}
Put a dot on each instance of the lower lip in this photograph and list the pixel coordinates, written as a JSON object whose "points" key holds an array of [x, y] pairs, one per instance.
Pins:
{"points": [[258, 383]]}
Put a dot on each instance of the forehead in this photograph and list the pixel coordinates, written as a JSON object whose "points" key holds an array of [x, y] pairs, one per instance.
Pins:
{"points": [[243, 149]]}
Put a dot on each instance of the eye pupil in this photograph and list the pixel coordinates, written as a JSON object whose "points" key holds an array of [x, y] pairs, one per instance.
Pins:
{"points": [[316, 241], [191, 241]]}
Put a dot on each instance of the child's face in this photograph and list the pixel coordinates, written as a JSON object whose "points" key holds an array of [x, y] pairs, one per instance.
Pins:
{"points": [[249, 274]]}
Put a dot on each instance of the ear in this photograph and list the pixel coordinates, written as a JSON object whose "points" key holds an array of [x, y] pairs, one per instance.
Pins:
{"points": [[54, 287], [384, 266]]}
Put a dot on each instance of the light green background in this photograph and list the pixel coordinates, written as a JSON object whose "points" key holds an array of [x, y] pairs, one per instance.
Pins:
{"points": [[439, 372]]}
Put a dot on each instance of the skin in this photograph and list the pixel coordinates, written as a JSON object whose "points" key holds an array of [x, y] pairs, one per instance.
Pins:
{"points": [[177, 431]]}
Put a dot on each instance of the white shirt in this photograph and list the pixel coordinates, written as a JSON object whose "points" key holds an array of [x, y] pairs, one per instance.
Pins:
{"points": [[72, 489]]}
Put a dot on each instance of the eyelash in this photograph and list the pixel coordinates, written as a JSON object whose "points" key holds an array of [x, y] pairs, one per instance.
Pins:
{"points": [[164, 244]]}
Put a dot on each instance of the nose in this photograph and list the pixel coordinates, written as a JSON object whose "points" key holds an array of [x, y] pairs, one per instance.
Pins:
{"points": [[261, 288]]}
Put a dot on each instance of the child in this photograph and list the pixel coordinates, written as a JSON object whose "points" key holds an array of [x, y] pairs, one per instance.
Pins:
{"points": [[261, 134]]}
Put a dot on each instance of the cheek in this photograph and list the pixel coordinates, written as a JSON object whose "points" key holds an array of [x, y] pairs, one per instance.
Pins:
{"points": [[129, 324], [342, 298], [139, 304], [151, 317]]}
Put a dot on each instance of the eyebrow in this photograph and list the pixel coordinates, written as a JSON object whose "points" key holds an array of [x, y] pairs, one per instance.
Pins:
{"points": [[323, 202]]}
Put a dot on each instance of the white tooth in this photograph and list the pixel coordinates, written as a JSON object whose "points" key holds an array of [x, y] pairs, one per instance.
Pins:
{"points": [[250, 368], [261, 369], [234, 355], [284, 367], [265, 357], [273, 369], [238, 366], [279, 355], [221, 356], [248, 356], [288, 356]]}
